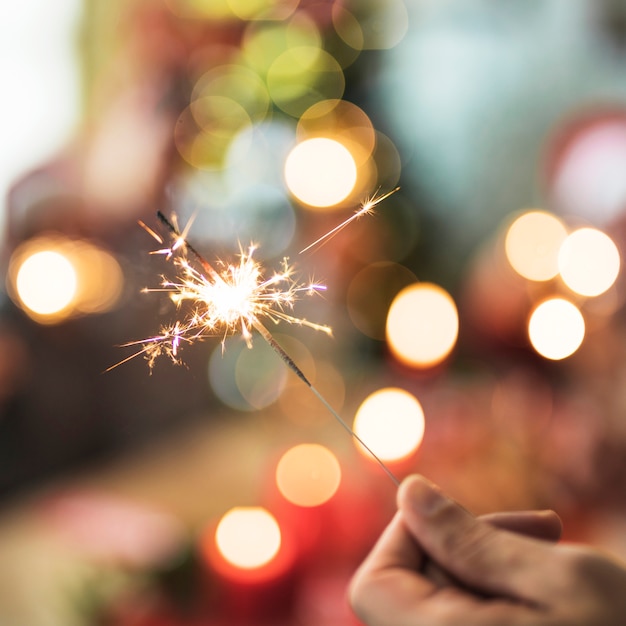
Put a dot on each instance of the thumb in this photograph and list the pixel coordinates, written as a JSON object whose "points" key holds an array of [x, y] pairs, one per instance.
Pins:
{"points": [[477, 554]]}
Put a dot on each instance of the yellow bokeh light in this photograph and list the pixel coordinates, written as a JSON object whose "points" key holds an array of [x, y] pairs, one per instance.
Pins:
{"points": [[556, 328], [248, 537], [302, 76], [53, 278], [262, 9], [532, 245], [308, 475], [264, 42], [100, 278], [343, 121], [320, 172], [46, 283], [422, 325], [235, 83], [390, 422], [589, 262]]}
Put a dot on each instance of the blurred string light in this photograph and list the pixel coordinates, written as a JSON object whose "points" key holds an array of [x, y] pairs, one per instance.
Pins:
{"points": [[54, 278], [422, 325], [308, 475], [248, 537], [589, 262], [556, 328], [391, 422], [532, 244]]}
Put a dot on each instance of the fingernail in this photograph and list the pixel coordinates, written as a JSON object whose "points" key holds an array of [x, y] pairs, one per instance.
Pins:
{"points": [[422, 496]]}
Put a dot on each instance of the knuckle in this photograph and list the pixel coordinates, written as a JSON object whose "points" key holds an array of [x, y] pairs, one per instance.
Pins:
{"points": [[470, 545]]}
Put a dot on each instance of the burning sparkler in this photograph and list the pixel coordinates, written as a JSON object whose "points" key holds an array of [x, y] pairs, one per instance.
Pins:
{"points": [[226, 298], [367, 208]]}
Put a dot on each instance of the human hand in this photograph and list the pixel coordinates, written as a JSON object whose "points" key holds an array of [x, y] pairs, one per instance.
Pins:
{"points": [[486, 573]]}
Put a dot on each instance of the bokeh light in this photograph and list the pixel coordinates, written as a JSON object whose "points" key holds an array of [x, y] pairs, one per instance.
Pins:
{"points": [[53, 278], [320, 172], [556, 328], [46, 283], [343, 121], [243, 378], [391, 422], [264, 42], [349, 125], [260, 375], [262, 9], [237, 83], [99, 278], [257, 155], [371, 293], [248, 537], [532, 244], [422, 325], [205, 129], [589, 177], [308, 475], [302, 76], [589, 262], [381, 25]]}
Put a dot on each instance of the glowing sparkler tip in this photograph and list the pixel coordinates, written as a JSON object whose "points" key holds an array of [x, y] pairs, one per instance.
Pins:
{"points": [[234, 298], [367, 207]]}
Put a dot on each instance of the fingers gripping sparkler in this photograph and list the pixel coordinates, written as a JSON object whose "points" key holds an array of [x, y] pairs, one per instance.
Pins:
{"points": [[229, 298]]}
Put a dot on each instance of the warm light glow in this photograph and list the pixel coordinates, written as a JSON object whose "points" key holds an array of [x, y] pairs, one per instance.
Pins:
{"points": [[46, 282], [237, 298], [391, 422], [54, 278], [320, 172], [532, 245], [248, 537], [589, 262], [100, 279], [556, 329], [308, 475], [422, 325]]}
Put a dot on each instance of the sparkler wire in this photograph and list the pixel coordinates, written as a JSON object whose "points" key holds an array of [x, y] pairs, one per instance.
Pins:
{"points": [[300, 374], [291, 364]]}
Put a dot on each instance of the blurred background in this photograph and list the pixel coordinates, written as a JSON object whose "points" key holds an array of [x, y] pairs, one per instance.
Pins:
{"points": [[477, 312]]}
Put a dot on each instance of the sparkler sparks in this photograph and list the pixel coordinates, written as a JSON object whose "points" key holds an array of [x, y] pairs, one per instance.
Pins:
{"points": [[367, 207], [227, 298], [220, 300]]}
